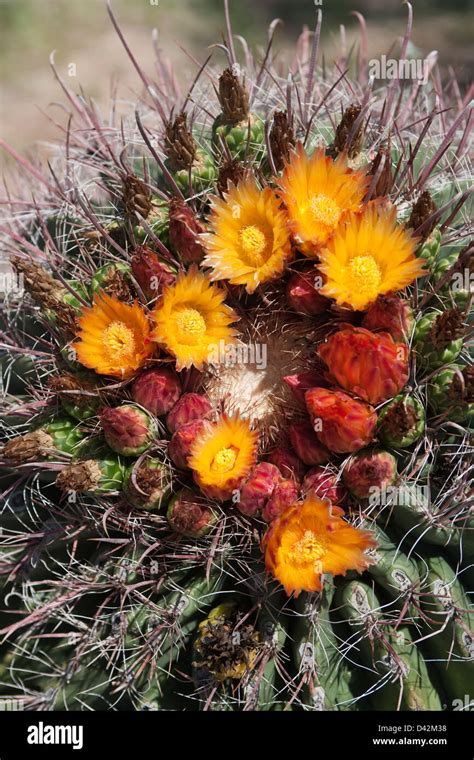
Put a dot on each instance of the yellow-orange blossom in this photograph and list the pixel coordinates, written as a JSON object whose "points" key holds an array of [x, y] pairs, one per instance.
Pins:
{"points": [[368, 256], [310, 538], [191, 320], [114, 337], [250, 241], [318, 194]]}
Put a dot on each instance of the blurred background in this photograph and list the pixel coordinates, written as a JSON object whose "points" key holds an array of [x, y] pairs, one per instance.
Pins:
{"points": [[82, 35]]}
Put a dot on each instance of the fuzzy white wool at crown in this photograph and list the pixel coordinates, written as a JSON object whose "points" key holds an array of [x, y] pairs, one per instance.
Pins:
{"points": [[249, 378]]}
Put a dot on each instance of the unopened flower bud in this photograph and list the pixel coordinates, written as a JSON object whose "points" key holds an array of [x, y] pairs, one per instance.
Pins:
{"points": [[190, 515], [157, 390], [288, 463], [191, 406], [258, 488], [128, 429], [285, 494]]}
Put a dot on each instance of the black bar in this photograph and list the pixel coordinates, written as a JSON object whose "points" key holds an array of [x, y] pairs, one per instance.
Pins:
{"points": [[118, 735]]}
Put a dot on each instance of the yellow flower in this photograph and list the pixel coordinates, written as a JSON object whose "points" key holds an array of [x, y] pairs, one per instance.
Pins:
{"points": [[369, 256], [114, 337], [192, 319], [222, 456], [310, 538], [250, 243], [318, 194]]}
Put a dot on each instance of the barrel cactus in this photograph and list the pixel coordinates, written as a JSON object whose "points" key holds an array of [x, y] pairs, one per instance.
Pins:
{"points": [[236, 395]]}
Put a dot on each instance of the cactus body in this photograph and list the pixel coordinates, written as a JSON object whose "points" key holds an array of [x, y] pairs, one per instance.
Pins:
{"points": [[234, 377]]}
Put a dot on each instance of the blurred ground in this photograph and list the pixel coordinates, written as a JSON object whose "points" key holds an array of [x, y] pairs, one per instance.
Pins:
{"points": [[81, 33]]}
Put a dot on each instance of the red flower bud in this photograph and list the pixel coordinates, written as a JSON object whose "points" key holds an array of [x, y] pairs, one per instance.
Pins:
{"points": [[157, 390], [324, 483], [367, 364], [258, 488], [306, 444], [184, 232], [128, 430], [392, 314], [369, 470], [151, 274], [341, 423], [302, 292], [179, 447], [288, 463], [303, 381], [285, 494], [191, 406]]}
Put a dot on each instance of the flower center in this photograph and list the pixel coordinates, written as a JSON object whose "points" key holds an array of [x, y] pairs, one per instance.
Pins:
{"points": [[325, 210], [191, 326], [225, 459], [118, 341], [254, 243], [365, 275], [307, 549]]}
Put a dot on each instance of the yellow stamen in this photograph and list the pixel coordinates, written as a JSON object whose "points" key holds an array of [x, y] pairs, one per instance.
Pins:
{"points": [[118, 341], [254, 243], [225, 459], [325, 210], [308, 549], [191, 326], [365, 275]]}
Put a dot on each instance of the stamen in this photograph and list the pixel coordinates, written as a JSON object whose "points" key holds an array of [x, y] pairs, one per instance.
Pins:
{"points": [[225, 459], [118, 341], [191, 326], [365, 275], [254, 243], [325, 210]]}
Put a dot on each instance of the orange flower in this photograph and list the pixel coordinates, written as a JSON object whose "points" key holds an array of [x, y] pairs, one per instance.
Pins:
{"points": [[310, 538], [366, 364], [318, 194], [222, 456], [114, 337]]}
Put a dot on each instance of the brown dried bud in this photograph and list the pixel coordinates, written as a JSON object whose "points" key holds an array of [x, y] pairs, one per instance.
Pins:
{"points": [[117, 284], [73, 389], [180, 146], [230, 171], [82, 477], [65, 385], [465, 261], [421, 212], [65, 314], [381, 168], [282, 140], [41, 286], [233, 98], [136, 197], [27, 448], [189, 514], [449, 326], [401, 422], [343, 139]]}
